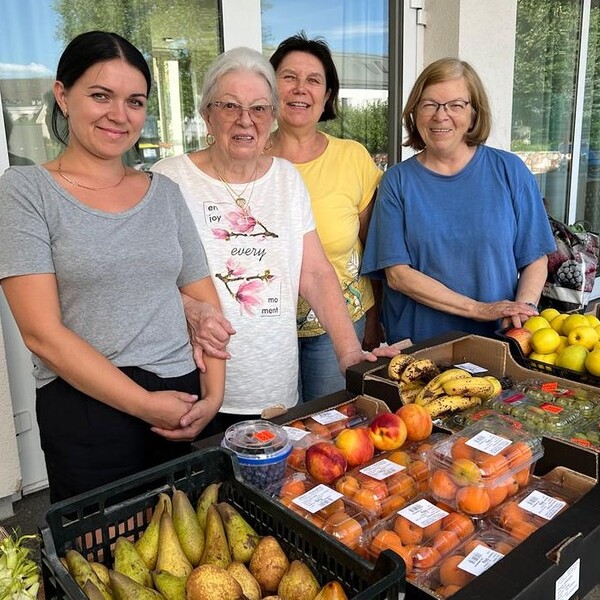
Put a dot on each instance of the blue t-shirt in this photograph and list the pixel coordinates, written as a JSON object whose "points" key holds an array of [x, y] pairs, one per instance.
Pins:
{"points": [[473, 231]]}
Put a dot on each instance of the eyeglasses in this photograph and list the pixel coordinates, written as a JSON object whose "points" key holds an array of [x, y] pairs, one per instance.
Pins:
{"points": [[259, 113], [452, 107]]}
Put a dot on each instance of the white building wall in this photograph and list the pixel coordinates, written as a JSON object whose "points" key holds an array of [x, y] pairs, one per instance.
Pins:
{"points": [[482, 32]]}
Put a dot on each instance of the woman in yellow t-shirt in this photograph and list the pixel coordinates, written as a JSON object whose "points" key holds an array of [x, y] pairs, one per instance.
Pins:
{"points": [[342, 180]]}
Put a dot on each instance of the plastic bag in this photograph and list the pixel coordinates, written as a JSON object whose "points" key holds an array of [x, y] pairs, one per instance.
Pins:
{"points": [[571, 268]]}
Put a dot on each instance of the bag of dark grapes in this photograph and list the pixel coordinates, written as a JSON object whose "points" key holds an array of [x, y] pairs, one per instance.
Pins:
{"points": [[571, 268]]}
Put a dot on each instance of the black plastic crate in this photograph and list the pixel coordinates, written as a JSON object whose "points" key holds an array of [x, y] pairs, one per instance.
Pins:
{"points": [[536, 365], [91, 523]]}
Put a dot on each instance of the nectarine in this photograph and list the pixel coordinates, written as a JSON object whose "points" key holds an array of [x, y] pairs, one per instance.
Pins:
{"points": [[356, 445], [388, 431], [417, 420], [324, 462]]}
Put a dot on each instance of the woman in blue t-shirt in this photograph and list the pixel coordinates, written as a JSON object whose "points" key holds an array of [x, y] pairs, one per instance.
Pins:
{"points": [[459, 233]]}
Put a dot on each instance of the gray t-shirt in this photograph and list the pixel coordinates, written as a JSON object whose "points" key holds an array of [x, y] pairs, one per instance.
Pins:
{"points": [[118, 274]]}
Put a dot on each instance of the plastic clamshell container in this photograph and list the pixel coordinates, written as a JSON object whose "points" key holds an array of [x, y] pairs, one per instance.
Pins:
{"points": [[533, 507], [262, 449], [382, 485], [422, 533], [328, 423], [470, 559], [538, 416], [587, 433], [479, 467], [91, 522], [300, 439], [573, 397], [325, 507]]}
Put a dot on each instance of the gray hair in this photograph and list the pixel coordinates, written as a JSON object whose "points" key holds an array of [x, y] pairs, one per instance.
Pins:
{"points": [[238, 59]]}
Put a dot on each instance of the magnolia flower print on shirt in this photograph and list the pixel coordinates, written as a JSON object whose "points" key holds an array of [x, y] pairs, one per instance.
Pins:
{"points": [[247, 289]]}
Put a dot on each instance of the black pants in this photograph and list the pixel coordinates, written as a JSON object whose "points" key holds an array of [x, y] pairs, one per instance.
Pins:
{"points": [[87, 443]]}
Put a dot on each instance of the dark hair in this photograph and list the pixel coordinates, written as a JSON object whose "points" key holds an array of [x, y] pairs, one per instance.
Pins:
{"points": [[317, 47], [446, 69], [83, 52]]}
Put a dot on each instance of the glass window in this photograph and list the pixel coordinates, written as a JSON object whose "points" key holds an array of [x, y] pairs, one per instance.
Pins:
{"points": [[178, 37], [357, 34], [544, 93]]}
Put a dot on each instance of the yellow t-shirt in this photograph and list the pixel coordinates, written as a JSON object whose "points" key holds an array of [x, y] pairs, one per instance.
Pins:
{"points": [[341, 183]]}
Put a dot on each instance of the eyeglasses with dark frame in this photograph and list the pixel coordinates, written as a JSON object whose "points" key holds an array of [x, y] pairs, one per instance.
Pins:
{"points": [[231, 111], [452, 107]]}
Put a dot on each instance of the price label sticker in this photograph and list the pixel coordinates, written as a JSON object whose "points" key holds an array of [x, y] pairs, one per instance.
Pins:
{"points": [[316, 499], [423, 513], [542, 505], [294, 434], [568, 583], [472, 368], [488, 442], [329, 416], [479, 560], [382, 469]]}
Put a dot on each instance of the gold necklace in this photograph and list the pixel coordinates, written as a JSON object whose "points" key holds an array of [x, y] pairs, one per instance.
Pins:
{"points": [[86, 187], [239, 199]]}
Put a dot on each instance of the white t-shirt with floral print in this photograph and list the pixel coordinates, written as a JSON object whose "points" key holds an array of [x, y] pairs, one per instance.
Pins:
{"points": [[255, 256]]}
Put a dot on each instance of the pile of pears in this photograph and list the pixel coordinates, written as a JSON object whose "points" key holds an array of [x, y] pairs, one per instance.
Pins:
{"points": [[209, 552]]}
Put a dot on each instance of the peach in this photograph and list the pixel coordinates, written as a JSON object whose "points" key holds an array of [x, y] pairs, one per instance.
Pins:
{"points": [[429, 531], [347, 485], [318, 428], [344, 528], [497, 494], [473, 500], [400, 457], [417, 420], [401, 484], [517, 453], [521, 530], [292, 488], [491, 466], [356, 445], [392, 504], [444, 541], [409, 532], [460, 449], [424, 557], [418, 470], [442, 485], [387, 431], [379, 488], [459, 523], [510, 513], [452, 574], [297, 459], [324, 462], [465, 471], [368, 501], [385, 540], [336, 506]]}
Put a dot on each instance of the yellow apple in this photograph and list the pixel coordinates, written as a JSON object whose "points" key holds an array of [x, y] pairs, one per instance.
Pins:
{"points": [[545, 340], [572, 321], [596, 346], [573, 357], [592, 362], [557, 322], [544, 358], [593, 320], [549, 314], [564, 342], [597, 328], [585, 335], [535, 323]]}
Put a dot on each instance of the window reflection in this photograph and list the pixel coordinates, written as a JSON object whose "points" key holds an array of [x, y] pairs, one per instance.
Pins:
{"points": [[357, 34], [179, 40]]}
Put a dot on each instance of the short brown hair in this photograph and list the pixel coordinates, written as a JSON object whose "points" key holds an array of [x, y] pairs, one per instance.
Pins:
{"points": [[439, 71]]}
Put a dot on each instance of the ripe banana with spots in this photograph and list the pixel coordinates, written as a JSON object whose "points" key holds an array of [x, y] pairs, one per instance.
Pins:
{"points": [[469, 386], [495, 383], [397, 365], [409, 391], [434, 388], [451, 403], [424, 369]]}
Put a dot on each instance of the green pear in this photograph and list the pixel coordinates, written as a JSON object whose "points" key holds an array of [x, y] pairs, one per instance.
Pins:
{"points": [[241, 536], [128, 561], [147, 545], [216, 548], [170, 586], [210, 495], [171, 557], [126, 588], [82, 571], [187, 526], [102, 572], [298, 583], [269, 564], [91, 591], [211, 582], [250, 587]]}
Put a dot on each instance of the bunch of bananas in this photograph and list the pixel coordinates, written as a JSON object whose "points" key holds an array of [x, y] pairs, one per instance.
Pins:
{"points": [[420, 381]]}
